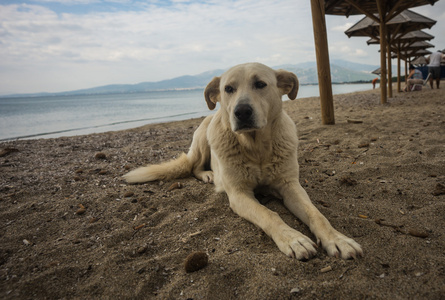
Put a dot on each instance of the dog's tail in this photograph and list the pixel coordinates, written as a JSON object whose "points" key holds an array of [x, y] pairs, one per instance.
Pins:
{"points": [[176, 168], [195, 162]]}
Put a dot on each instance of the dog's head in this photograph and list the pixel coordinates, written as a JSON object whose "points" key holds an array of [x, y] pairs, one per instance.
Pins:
{"points": [[250, 94]]}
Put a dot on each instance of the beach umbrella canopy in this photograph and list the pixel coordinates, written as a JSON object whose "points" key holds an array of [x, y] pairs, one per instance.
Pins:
{"points": [[400, 43], [409, 37], [377, 71], [417, 45], [413, 53], [401, 24], [413, 46], [421, 60], [418, 52], [364, 7], [386, 10]]}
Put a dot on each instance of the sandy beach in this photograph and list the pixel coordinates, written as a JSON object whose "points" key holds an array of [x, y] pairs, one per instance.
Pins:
{"points": [[71, 228]]}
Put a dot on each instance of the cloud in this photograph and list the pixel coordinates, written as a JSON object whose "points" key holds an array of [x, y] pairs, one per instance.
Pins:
{"points": [[342, 27]]}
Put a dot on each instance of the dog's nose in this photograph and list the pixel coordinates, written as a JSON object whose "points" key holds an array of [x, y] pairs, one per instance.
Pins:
{"points": [[243, 112]]}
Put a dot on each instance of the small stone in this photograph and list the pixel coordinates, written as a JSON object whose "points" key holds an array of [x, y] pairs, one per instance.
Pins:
{"points": [[174, 186], [142, 249], [355, 121], [100, 155], [326, 269], [7, 151], [196, 261], [81, 210], [439, 190], [128, 194], [346, 180], [295, 290], [417, 233]]}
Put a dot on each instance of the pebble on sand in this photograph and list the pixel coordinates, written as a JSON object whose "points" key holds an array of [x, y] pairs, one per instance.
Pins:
{"points": [[196, 261]]}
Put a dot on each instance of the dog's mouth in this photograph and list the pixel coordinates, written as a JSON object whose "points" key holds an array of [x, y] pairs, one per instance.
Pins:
{"points": [[244, 118], [245, 127]]}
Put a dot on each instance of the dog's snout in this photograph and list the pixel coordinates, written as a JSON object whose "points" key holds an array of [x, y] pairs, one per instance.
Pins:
{"points": [[243, 112]]}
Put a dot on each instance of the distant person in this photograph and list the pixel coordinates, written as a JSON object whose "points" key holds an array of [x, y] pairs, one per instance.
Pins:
{"points": [[415, 77], [374, 81], [434, 67]]}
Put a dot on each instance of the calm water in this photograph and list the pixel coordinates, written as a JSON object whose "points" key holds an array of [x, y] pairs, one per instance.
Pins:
{"points": [[47, 117]]}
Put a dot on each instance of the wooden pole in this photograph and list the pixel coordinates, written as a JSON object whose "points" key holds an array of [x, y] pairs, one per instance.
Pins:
{"points": [[388, 46], [406, 66], [383, 94], [399, 89], [323, 67]]}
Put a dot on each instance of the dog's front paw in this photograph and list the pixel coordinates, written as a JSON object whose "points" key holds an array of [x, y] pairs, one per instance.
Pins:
{"points": [[339, 245], [206, 176], [294, 244]]}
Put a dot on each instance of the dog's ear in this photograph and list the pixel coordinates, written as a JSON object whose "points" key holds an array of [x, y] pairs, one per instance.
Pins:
{"points": [[287, 82], [211, 93]]}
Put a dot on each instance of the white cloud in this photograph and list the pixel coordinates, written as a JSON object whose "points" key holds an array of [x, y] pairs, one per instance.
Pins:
{"points": [[342, 27]]}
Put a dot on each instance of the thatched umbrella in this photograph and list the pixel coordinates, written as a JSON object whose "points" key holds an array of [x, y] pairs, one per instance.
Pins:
{"points": [[407, 38], [399, 25], [386, 10], [421, 60], [377, 71], [403, 41], [416, 53]]}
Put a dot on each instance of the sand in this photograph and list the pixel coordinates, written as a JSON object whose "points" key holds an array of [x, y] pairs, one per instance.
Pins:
{"points": [[72, 228]]}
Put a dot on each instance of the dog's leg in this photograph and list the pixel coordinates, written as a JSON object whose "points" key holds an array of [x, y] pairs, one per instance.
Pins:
{"points": [[289, 241], [199, 153], [335, 243]]}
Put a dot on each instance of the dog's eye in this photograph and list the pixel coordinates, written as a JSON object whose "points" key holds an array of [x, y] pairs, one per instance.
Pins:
{"points": [[260, 84], [229, 89]]}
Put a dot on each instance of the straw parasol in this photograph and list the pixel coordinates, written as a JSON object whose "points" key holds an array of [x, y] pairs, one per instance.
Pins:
{"points": [[398, 26], [364, 7], [421, 60], [399, 43], [407, 38], [377, 71], [386, 10]]}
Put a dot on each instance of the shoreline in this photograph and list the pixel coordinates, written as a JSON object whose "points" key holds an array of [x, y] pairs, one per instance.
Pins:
{"points": [[114, 125], [72, 228]]}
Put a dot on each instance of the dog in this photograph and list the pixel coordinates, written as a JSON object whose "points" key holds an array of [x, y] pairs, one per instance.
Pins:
{"points": [[251, 143]]}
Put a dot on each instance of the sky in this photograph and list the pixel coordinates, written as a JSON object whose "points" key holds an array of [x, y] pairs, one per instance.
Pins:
{"points": [[63, 45]]}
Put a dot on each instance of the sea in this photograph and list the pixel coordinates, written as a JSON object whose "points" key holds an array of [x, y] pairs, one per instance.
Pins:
{"points": [[56, 116]]}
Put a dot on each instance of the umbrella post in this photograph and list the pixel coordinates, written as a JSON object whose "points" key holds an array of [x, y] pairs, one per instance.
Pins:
{"points": [[382, 51], [398, 70], [388, 46], [323, 66], [406, 68]]}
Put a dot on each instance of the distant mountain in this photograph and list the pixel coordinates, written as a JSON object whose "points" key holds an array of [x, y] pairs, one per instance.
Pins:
{"points": [[341, 71], [182, 82]]}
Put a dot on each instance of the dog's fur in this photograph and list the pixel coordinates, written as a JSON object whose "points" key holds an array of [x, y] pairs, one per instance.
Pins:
{"points": [[250, 143]]}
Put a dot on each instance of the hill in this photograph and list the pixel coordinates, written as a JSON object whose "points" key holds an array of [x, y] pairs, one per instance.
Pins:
{"points": [[341, 72]]}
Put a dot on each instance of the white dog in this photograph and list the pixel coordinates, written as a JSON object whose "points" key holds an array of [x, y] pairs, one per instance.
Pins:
{"points": [[250, 143]]}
